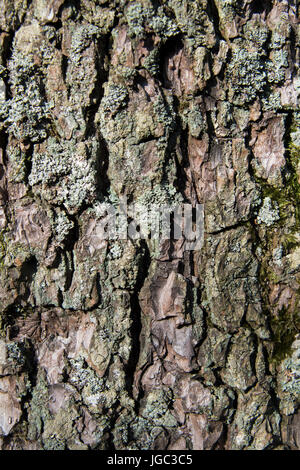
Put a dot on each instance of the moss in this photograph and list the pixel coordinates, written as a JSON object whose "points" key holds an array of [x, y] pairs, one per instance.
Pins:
{"points": [[286, 324], [290, 242], [294, 180], [285, 327], [266, 273], [285, 198]]}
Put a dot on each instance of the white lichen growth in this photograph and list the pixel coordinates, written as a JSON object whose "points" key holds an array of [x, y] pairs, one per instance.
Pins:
{"points": [[61, 226], [160, 195], [69, 164], [268, 213], [115, 251]]}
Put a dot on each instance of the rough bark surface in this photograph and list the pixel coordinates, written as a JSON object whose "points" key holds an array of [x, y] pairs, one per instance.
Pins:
{"points": [[138, 344]]}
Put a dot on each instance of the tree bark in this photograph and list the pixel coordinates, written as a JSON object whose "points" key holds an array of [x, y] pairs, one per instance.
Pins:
{"points": [[139, 343]]}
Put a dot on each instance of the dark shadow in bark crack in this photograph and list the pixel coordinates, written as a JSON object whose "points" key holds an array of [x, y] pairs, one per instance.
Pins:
{"points": [[260, 6], [171, 48], [136, 326]]}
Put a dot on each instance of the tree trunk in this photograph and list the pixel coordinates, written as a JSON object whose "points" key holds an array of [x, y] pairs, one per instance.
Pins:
{"points": [[141, 343]]}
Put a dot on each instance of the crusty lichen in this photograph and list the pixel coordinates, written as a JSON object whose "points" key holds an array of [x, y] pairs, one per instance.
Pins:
{"points": [[268, 213], [139, 17], [57, 163], [246, 74]]}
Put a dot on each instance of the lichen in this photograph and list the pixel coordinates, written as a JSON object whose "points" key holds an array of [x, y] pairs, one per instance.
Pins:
{"points": [[81, 38], [115, 98], [49, 166], [246, 74], [157, 408], [160, 195], [151, 62], [27, 111], [276, 66], [38, 412], [137, 343], [57, 163], [61, 226], [268, 213], [139, 17], [165, 112]]}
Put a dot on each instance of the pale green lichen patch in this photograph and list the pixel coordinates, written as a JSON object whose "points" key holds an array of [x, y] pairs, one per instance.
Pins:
{"points": [[160, 195], [27, 112], [277, 66], [268, 213], [157, 408], [49, 166], [61, 225], [70, 164], [81, 38], [256, 31], [151, 62], [38, 412], [115, 98], [246, 75], [139, 17]]}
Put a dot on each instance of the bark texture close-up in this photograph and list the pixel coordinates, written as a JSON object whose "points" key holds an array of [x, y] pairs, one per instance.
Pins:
{"points": [[138, 343]]}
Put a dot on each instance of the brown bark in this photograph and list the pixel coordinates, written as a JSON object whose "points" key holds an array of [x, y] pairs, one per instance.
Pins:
{"points": [[142, 344]]}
